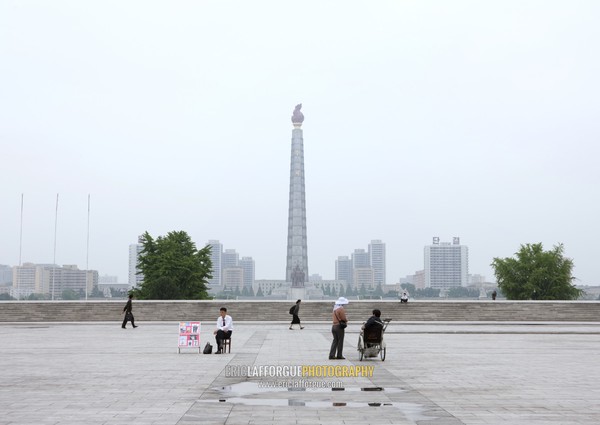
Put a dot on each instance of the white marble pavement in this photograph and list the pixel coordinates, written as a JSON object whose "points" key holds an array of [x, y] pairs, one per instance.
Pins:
{"points": [[445, 373]]}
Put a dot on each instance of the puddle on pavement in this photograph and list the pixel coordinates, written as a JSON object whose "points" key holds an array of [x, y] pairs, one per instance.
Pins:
{"points": [[239, 394], [248, 388], [411, 411], [296, 402]]}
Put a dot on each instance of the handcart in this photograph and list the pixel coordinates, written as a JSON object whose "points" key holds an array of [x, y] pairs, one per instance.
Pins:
{"points": [[371, 342]]}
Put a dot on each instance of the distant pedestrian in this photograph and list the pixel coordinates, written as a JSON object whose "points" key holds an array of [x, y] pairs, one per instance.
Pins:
{"points": [[340, 321], [494, 295], [404, 297], [295, 310], [128, 314]]}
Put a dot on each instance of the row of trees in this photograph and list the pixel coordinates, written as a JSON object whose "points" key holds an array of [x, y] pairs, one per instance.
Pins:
{"points": [[174, 268], [66, 294]]}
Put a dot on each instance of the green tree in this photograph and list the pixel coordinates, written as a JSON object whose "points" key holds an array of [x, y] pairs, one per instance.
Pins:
{"points": [[69, 294], [461, 292], [410, 288], [118, 293], [35, 297], [96, 293], [536, 274], [259, 293], [392, 294], [6, 297], [173, 268], [427, 293]]}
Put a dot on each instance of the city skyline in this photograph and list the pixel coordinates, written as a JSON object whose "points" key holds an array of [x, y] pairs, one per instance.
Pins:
{"points": [[424, 119], [222, 258]]}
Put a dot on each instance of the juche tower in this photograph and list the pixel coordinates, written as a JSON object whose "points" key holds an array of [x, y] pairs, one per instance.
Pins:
{"points": [[297, 258]]}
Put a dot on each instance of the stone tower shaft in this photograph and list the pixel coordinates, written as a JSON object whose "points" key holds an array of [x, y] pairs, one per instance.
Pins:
{"points": [[297, 258]]}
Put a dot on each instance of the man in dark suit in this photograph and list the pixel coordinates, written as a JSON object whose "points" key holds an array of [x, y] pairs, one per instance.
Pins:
{"points": [[128, 314]]}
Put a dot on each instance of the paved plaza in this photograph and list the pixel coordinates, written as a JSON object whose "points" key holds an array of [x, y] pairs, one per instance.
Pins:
{"points": [[434, 374]]}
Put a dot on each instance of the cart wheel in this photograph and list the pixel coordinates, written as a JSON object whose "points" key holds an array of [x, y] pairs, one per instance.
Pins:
{"points": [[382, 354]]}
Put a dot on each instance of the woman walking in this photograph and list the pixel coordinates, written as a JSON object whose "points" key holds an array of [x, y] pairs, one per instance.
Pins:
{"points": [[339, 324], [295, 318]]}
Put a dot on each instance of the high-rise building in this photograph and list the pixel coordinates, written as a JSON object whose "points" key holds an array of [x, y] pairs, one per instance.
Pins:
{"points": [[315, 277], [24, 280], [344, 269], [230, 258], [5, 274], [363, 278], [69, 277], [233, 278], [297, 257], [446, 264], [377, 261], [419, 280], [108, 280], [232, 275], [135, 278], [216, 249], [51, 280], [476, 279], [360, 259], [247, 265]]}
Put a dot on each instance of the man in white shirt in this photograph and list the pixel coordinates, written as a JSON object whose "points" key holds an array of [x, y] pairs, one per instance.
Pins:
{"points": [[224, 329]]}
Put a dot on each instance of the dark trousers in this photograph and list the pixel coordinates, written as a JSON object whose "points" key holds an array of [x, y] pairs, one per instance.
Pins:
{"points": [[220, 336], [337, 346], [128, 317]]}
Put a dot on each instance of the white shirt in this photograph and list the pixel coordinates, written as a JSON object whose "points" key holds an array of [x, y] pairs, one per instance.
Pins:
{"points": [[227, 326]]}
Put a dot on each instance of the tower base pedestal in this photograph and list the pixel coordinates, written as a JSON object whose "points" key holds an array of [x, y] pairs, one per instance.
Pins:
{"points": [[297, 294]]}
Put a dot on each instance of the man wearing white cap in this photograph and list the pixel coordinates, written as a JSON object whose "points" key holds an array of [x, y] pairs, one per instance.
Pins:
{"points": [[339, 324]]}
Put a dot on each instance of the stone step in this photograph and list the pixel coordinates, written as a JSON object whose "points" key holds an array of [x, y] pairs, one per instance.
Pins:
{"points": [[277, 311]]}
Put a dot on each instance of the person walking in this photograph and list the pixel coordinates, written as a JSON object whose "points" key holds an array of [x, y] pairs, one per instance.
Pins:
{"points": [[128, 314], [295, 317], [340, 322]]}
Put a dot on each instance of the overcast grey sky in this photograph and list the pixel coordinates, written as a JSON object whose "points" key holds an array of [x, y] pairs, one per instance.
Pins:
{"points": [[475, 119]]}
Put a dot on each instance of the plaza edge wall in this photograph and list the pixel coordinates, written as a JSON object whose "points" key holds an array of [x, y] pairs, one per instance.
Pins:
{"points": [[310, 311]]}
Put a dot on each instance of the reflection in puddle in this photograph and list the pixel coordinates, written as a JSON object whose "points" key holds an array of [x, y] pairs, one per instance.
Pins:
{"points": [[241, 394], [411, 411], [252, 387], [295, 402], [372, 389]]}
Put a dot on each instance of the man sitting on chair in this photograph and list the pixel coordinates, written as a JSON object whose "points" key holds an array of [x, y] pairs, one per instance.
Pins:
{"points": [[373, 324], [224, 329]]}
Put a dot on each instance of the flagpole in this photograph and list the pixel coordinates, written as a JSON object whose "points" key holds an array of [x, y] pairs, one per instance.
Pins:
{"points": [[21, 233], [87, 255], [20, 248], [54, 259]]}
